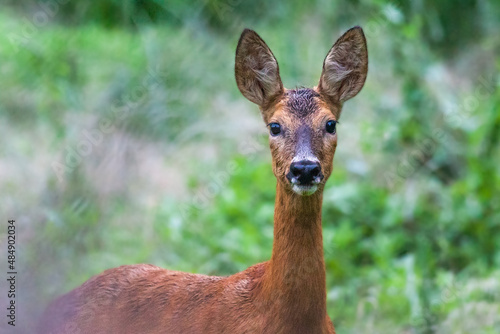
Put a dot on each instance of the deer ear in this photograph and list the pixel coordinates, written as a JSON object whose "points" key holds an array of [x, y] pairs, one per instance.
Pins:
{"points": [[345, 67], [256, 69]]}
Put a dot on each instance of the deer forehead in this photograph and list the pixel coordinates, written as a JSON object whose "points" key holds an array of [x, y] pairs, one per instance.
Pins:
{"points": [[300, 107], [302, 102]]}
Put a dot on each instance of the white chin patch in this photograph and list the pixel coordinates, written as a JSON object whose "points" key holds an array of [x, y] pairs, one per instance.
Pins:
{"points": [[304, 190]]}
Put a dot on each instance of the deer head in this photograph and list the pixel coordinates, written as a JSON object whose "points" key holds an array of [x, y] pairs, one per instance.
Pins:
{"points": [[302, 122]]}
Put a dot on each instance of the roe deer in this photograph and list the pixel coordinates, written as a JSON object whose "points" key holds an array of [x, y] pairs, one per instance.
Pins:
{"points": [[284, 295]]}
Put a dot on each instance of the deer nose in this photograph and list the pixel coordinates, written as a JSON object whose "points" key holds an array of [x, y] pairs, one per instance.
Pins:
{"points": [[305, 172]]}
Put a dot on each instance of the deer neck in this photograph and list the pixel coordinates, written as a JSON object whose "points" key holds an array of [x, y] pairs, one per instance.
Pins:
{"points": [[295, 278]]}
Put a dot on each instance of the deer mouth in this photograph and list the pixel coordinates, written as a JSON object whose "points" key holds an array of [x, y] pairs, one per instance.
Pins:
{"points": [[304, 190]]}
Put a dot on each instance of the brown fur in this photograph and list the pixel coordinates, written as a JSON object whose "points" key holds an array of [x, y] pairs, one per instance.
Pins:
{"points": [[287, 294]]}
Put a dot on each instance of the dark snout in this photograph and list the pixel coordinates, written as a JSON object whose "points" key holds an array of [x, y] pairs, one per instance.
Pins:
{"points": [[305, 172]]}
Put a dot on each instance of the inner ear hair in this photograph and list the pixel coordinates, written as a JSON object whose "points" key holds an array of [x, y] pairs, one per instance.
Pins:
{"points": [[345, 67], [256, 70]]}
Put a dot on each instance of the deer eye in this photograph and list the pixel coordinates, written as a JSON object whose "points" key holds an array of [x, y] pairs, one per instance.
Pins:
{"points": [[275, 129], [330, 126]]}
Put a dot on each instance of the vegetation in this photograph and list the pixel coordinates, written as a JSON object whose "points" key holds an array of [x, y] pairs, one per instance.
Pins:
{"points": [[125, 140]]}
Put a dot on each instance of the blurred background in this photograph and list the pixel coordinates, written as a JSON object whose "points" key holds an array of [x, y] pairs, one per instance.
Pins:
{"points": [[125, 140]]}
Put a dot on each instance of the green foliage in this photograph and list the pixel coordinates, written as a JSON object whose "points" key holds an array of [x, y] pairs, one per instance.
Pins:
{"points": [[411, 218]]}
